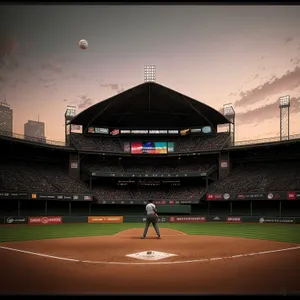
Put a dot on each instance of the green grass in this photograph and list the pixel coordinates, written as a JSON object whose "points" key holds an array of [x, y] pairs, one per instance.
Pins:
{"points": [[273, 232]]}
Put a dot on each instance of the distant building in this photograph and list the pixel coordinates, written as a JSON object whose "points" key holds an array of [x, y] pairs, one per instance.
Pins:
{"points": [[35, 131], [6, 119]]}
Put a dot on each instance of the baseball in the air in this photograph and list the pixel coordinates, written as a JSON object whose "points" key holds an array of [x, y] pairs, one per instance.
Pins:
{"points": [[83, 44]]}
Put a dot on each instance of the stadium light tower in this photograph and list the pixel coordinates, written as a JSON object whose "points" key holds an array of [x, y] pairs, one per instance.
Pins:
{"points": [[69, 115], [229, 113], [284, 106], [150, 73]]}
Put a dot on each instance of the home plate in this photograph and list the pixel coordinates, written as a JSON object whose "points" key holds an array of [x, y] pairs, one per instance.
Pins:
{"points": [[151, 255]]}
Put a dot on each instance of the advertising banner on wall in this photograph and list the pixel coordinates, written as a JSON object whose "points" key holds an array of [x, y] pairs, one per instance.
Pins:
{"points": [[13, 195], [205, 130], [44, 220], [105, 219], [144, 202], [159, 219], [293, 195], [234, 219], [147, 175], [216, 219], [219, 196], [187, 219], [45, 196], [261, 196], [253, 196], [15, 220], [277, 220], [224, 164], [61, 197]]}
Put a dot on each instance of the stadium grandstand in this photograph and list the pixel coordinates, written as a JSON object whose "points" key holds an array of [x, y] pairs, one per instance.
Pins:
{"points": [[149, 142]]}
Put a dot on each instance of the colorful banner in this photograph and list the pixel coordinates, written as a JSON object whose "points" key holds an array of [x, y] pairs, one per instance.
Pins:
{"points": [[15, 220], [189, 219], [105, 219], [219, 196], [44, 220], [234, 219], [293, 196], [205, 130], [61, 197]]}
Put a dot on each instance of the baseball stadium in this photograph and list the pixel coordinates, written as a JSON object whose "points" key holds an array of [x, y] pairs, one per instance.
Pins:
{"points": [[73, 213]]}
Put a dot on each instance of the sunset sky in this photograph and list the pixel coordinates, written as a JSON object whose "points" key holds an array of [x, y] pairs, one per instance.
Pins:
{"points": [[246, 55]]}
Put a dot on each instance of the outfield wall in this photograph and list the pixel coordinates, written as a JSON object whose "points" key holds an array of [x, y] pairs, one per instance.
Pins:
{"points": [[48, 220], [276, 208]]}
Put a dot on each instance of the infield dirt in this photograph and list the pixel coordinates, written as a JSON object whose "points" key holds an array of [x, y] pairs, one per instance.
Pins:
{"points": [[256, 273]]}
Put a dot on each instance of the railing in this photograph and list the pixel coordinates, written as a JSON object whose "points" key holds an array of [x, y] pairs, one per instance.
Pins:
{"points": [[31, 139], [63, 144], [263, 141]]}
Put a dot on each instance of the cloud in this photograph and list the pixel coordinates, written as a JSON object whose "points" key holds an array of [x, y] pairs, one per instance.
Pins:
{"points": [[52, 66], [84, 102], [289, 81], [9, 47], [46, 80], [56, 64], [51, 86], [116, 87], [74, 76], [267, 112], [288, 39]]}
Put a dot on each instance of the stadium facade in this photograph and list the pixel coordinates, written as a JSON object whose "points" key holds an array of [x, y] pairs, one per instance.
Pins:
{"points": [[149, 142]]}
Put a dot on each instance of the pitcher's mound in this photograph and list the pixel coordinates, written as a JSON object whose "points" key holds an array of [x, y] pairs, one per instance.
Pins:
{"points": [[136, 233]]}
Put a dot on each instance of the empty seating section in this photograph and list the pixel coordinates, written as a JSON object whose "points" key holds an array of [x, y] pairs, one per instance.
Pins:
{"points": [[37, 177], [261, 177], [51, 178], [107, 165]]}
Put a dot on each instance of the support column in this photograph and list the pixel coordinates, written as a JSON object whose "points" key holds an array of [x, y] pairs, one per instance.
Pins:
{"points": [[280, 208], [90, 209], [46, 208], [19, 208]]}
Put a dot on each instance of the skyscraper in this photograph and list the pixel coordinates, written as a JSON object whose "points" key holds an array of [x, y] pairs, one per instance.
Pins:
{"points": [[35, 131], [6, 118]]}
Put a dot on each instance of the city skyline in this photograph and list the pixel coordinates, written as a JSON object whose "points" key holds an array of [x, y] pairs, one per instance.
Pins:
{"points": [[246, 55]]}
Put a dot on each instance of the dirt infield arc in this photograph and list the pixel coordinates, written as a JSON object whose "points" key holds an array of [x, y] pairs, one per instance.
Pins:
{"points": [[203, 264]]}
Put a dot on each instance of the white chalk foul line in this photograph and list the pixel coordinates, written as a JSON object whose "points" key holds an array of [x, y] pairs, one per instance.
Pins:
{"points": [[39, 254], [153, 263]]}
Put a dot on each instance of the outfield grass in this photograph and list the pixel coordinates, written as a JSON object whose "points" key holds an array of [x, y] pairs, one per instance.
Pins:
{"points": [[273, 232]]}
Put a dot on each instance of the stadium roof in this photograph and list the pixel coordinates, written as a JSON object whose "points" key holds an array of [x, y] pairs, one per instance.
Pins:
{"points": [[149, 105]]}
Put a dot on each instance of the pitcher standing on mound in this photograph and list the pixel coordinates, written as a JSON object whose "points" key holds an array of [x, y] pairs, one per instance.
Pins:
{"points": [[152, 217]]}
